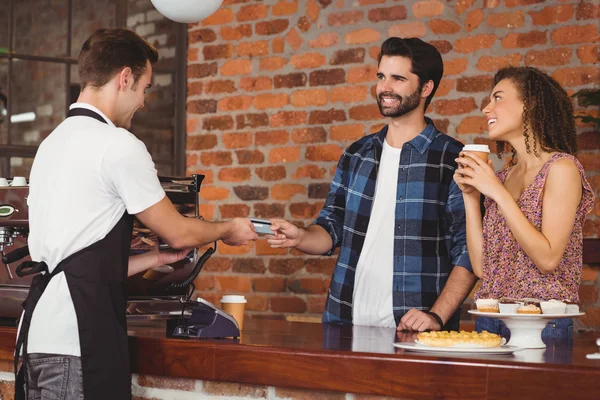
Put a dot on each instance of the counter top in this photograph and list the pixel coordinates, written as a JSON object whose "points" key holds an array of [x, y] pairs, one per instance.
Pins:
{"points": [[359, 360]]}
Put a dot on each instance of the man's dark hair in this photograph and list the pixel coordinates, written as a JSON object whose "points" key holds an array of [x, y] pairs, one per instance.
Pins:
{"points": [[425, 59], [108, 51]]}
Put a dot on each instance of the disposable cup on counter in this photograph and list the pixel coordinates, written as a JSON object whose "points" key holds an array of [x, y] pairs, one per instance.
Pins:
{"points": [[235, 306]]}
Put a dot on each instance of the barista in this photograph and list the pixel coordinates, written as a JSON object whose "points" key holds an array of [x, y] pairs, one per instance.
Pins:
{"points": [[89, 178]]}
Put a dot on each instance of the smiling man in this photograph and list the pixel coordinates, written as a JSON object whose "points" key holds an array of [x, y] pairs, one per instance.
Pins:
{"points": [[394, 210]]}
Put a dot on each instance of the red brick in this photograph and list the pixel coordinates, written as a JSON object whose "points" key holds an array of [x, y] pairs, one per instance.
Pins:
{"points": [[518, 3], [376, 128], [350, 132], [575, 34], [262, 210], [463, 5], [236, 67], [271, 137], [202, 35], [234, 211], [234, 174], [345, 18], [201, 106], [310, 97], [270, 284], [201, 70], [303, 24], [207, 211], [513, 19], [310, 171], [192, 55], [411, 29], [323, 266], [268, 100], [588, 141], [307, 285], [365, 113], [326, 152], [473, 20], [221, 17], [369, 2], [313, 10], [550, 57], [442, 27], [588, 294], [263, 249], [474, 43], [251, 193], [288, 304], [217, 51], [362, 74], [194, 88], [253, 49], [211, 193], [361, 36], [208, 176], [348, 94], [472, 125], [491, 64], [215, 87], [455, 107], [324, 40], [217, 123], [254, 84], [455, 66], [251, 120], [590, 161], [288, 118], [285, 266], [589, 54], [441, 124], [308, 60], [283, 8], [284, 155], [445, 87], [286, 191], [256, 303], [249, 266], [474, 84], [348, 56], [427, 8], [294, 39], [216, 158], [387, 14], [187, 385], [252, 12], [443, 46], [235, 103], [309, 135], [588, 11], [271, 27], [318, 190], [552, 15], [271, 173], [327, 77], [278, 45], [236, 33], [201, 142], [217, 264], [250, 157], [591, 317], [304, 210], [233, 284], [296, 79], [326, 116], [521, 40], [577, 76], [272, 63]]}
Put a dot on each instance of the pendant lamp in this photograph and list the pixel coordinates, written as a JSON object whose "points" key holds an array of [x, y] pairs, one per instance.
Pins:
{"points": [[186, 11]]}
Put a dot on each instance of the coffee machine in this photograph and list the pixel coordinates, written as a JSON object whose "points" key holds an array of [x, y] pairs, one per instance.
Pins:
{"points": [[163, 293]]}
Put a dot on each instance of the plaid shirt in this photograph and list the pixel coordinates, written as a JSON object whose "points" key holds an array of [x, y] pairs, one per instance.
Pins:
{"points": [[430, 233]]}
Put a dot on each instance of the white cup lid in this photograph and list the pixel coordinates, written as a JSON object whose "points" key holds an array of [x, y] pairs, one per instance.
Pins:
{"points": [[230, 298], [477, 147]]}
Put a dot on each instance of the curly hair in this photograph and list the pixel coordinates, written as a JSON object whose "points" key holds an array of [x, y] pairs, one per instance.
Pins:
{"points": [[547, 111]]}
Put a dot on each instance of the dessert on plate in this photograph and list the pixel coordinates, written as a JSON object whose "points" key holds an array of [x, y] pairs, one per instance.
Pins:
{"points": [[462, 338], [529, 309], [487, 305]]}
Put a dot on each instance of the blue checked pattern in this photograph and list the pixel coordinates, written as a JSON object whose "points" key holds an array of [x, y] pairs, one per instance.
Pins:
{"points": [[430, 233]]}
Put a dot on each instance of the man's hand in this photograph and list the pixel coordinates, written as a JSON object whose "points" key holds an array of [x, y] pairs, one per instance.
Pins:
{"points": [[284, 235], [170, 257], [239, 232], [416, 320]]}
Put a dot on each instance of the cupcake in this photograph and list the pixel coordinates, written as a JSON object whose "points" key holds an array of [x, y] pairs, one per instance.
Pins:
{"points": [[487, 305], [509, 306], [553, 307], [529, 309]]}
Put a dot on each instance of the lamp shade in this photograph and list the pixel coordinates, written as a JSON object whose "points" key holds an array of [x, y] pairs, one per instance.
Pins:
{"points": [[186, 11]]}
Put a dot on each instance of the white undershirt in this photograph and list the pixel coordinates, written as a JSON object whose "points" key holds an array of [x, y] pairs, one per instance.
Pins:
{"points": [[85, 175], [372, 299]]}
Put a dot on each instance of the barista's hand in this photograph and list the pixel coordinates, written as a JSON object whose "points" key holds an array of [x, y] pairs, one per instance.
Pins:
{"points": [[285, 234], [239, 232], [416, 320], [170, 257]]}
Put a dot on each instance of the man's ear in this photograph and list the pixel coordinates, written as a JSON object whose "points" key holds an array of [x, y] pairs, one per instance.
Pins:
{"points": [[427, 89], [125, 78]]}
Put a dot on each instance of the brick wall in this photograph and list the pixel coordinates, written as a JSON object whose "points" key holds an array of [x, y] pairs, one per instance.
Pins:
{"points": [[277, 90]]}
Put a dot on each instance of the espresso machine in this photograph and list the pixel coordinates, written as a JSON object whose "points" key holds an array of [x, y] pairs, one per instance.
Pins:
{"points": [[163, 293]]}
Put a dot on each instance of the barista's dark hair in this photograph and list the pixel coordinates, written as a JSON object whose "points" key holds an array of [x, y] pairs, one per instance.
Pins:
{"points": [[547, 111], [108, 51], [425, 59]]}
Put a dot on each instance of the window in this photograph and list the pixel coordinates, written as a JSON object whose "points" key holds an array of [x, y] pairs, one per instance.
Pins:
{"points": [[39, 44]]}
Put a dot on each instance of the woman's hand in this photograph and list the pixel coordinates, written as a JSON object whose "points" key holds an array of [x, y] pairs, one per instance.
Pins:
{"points": [[474, 172]]}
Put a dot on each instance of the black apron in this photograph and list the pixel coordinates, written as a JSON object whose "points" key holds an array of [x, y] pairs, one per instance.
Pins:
{"points": [[96, 277]]}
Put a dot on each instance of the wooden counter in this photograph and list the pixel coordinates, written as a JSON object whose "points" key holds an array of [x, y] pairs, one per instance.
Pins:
{"points": [[359, 360]]}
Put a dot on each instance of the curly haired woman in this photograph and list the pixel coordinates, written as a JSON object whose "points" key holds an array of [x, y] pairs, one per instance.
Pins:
{"points": [[529, 243]]}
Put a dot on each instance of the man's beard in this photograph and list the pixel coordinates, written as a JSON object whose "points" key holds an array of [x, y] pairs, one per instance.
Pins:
{"points": [[405, 105]]}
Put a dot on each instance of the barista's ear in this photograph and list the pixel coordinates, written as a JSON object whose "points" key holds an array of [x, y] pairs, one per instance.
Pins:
{"points": [[125, 78]]}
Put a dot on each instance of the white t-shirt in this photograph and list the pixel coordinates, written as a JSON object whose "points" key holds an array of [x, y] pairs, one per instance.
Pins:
{"points": [[372, 298], [85, 175]]}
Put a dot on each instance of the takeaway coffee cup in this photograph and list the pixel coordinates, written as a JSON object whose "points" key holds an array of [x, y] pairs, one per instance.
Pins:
{"points": [[235, 306], [156, 273], [480, 150]]}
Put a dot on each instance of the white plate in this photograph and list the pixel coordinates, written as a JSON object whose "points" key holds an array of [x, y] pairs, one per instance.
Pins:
{"points": [[506, 349], [525, 316]]}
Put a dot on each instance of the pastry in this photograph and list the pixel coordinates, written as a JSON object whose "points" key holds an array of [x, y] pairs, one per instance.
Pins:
{"points": [[553, 307], [487, 305], [509, 306], [529, 309], [454, 338]]}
